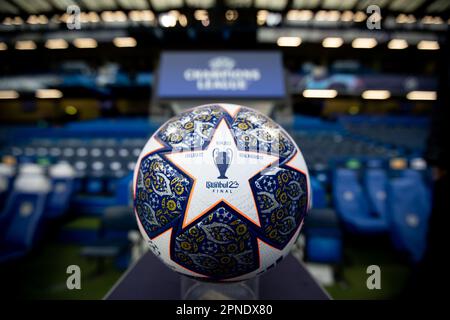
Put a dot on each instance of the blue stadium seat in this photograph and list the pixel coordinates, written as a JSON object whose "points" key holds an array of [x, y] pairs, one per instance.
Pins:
{"points": [[323, 237], [7, 173], [319, 193], [409, 204], [62, 178], [94, 185], [25, 208], [113, 240], [352, 205], [324, 248], [25, 170], [124, 191], [413, 174], [375, 183]]}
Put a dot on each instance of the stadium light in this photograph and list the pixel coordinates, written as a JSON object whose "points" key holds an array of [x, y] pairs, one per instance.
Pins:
{"points": [[48, 94], [25, 45], [327, 16], [56, 44], [143, 15], [33, 19], [64, 18], [83, 43], [201, 15], [9, 94], [168, 20], [398, 44], [421, 95], [113, 16], [359, 16], [261, 17], [403, 18], [299, 15], [42, 19], [319, 93], [107, 16], [432, 20], [376, 94], [147, 15], [289, 41], [124, 42], [428, 45], [332, 42], [182, 20], [7, 21], [89, 17], [93, 17], [17, 21], [135, 15], [347, 16], [364, 43], [3, 46], [231, 15], [274, 19], [120, 16]]}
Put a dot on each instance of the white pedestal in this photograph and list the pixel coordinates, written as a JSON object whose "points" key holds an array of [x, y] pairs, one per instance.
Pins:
{"points": [[199, 290]]}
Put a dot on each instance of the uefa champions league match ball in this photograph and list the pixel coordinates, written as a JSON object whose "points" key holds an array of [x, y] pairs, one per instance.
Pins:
{"points": [[221, 192]]}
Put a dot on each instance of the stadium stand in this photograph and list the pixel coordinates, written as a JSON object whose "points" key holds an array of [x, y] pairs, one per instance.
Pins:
{"points": [[23, 212]]}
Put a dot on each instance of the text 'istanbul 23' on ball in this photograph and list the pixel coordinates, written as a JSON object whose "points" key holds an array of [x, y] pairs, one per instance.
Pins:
{"points": [[221, 192]]}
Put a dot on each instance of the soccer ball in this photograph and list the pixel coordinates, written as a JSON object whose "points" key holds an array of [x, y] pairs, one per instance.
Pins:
{"points": [[220, 192]]}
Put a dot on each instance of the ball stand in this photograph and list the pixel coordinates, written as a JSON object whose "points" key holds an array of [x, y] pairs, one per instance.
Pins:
{"points": [[199, 290], [290, 280]]}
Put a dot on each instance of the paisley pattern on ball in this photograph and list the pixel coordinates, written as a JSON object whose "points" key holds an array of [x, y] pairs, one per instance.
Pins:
{"points": [[161, 194], [281, 198], [256, 132], [191, 130], [220, 245]]}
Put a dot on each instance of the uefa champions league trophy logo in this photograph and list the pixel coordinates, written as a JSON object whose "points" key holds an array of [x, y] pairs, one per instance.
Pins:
{"points": [[222, 159]]}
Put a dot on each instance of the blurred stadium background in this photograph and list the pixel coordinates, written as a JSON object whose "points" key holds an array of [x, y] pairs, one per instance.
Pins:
{"points": [[79, 98]]}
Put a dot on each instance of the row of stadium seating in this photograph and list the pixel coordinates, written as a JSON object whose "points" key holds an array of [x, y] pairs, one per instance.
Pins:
{"points": [[102, 158], [97, 151], [373, 201], [322, 148], [324, 143], [33, 198], [407, 133], [28, 199], [357, 168]]}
